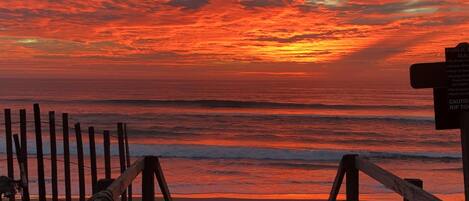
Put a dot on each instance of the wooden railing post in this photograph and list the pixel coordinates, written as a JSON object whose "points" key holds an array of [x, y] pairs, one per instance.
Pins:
{"points": [[148, 179], [416, 182], [352, 183]]}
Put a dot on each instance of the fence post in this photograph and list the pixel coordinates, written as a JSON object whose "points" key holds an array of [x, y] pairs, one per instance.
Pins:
{"points": [[9, 147], [127, 160], [120, 137], [107, 154], [53, 156], [352, 182], [148, 179], [40, 158], [24, 151], [416, 182], [81, 170], [94, 170], [65, 129]]}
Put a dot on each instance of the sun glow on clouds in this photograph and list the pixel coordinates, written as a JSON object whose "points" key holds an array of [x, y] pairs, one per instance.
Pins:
{"points": [[219, 37]]}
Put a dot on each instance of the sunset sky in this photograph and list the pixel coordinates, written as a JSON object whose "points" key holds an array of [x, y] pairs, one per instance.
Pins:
{"points": [[187, 39]]}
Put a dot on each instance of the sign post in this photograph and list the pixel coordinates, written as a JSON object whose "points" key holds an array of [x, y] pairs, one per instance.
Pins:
{"points": [[450, 83]]}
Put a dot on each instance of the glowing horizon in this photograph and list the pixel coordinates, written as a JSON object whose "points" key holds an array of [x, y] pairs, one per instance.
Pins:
{"points": [[314, 39]]}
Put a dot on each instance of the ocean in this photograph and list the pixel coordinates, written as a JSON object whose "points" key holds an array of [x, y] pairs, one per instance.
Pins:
{"points": [[253, 138]]}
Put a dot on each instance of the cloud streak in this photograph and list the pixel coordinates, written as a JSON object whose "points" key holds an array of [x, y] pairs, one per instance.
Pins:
{"points": [[225, 34]]}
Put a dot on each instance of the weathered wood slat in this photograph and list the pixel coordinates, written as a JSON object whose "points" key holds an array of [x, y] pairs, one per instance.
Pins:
{"points": [[9, 147], [393, 182], [81, 164], [107, 154], [127, 160], [20, 158], [120, 139], [66, 141], [40, 157], [53, 155], [162, 181], [24, 152], [339, 178], [94, 170]]}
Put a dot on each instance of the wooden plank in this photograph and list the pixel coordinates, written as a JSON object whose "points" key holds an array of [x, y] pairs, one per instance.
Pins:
{"points": [[117, 187], [53, 155], [148, 179], [393, 182], [20, 157], [161, 180], [464, 123], [127, 160], [107, 154], [66, 141], [339, 178], [415, 182], [352, 182], [120, 138], [94, 168], [428, 75], [81, 163], [9, 147], [40, 158], [24, 152]]}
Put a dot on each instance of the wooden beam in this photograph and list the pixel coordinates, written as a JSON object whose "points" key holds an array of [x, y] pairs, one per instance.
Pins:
{"points": [[339, 178], [352, 183], [94, 168], [65, 129], [53, 156], [81, 164], [393, 182], [9, 147], [40, 158], [428, 75], [127, 160], [107, 154], [120, 139], [148, 179], [20, 158], [24, 152], [161, 180]]}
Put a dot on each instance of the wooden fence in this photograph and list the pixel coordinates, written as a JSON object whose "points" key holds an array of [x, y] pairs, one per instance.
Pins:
{"points": [[22, 157], [351, 165]]}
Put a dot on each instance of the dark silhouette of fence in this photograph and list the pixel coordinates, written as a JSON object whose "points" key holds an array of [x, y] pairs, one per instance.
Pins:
{"points": [[147, 164]]}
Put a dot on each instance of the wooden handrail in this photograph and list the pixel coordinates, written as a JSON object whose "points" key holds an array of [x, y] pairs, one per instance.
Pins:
{"points": [[150, 167], [119, 185], [389, 180]]}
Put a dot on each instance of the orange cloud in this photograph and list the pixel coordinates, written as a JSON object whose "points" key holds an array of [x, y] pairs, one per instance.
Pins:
{"points": [[233, 36]]}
